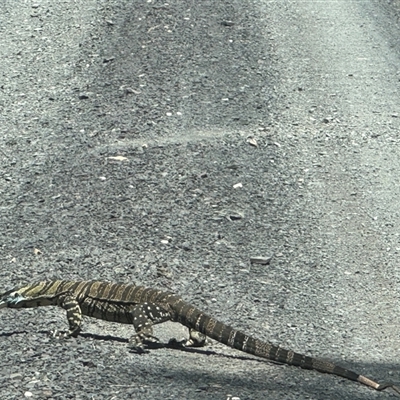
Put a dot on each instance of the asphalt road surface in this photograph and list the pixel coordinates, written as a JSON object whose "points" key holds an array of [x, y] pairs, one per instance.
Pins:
{"points": [[167, 143]]}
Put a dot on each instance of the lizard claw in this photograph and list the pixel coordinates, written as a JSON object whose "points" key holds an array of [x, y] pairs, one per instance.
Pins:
{"points": [[178, 343], [58, 334]]}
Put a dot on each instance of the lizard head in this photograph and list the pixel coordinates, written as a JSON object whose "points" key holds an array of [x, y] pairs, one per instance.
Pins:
{"points": [[32, 295], [13, 298]]}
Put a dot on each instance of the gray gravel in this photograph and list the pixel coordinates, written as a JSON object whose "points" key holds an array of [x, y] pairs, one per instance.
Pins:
{"points": [[169, 144]]}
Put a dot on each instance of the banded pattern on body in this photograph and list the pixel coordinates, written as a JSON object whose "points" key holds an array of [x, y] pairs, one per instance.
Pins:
{"points": [[144, 307], [124, 303]]}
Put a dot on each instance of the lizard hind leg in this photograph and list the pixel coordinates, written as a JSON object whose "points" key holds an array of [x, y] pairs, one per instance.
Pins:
{"points": [[197, 339], [144, 316]]}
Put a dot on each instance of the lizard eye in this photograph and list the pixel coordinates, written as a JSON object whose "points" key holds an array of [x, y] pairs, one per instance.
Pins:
{"points": [[14, 297]]}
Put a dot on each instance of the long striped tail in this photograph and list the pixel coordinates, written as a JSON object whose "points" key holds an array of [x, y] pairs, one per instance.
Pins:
{"points": [[194, 318]]}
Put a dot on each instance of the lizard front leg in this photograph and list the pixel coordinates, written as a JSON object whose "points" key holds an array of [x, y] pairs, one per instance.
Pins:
{"points": [[74, 316]]}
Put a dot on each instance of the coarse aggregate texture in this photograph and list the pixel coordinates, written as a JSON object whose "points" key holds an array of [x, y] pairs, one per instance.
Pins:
{"points": [[167, 144]]}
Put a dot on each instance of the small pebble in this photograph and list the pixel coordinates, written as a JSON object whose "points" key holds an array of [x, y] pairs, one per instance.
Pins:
{"points": [[260, 260]]}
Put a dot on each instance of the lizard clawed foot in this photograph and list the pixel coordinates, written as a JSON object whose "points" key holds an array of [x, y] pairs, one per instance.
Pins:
{"points": [[137, 342], [196, 339], [63, 334], [59, 334], [179, 344], [137, 349]]}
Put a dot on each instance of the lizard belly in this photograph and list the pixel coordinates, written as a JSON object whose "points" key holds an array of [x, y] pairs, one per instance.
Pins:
{"points": [[108, 311]]}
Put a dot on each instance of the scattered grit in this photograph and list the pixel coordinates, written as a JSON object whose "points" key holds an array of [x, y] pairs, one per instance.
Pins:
{"points": [[171, 143]]}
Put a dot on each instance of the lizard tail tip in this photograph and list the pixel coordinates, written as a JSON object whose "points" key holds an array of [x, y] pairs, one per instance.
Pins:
{"points": [[377, 386]]}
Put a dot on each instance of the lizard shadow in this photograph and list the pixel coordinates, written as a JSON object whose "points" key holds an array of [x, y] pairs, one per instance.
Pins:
{"points": [[152, 346], [9, 334], [173, 346]]}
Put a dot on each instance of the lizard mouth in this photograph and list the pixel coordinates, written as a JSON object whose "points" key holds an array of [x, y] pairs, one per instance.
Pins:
{"points": [[11, 300]]}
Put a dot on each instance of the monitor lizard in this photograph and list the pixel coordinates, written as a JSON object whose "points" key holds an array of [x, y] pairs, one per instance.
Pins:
{"points": [[144, 307]]}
